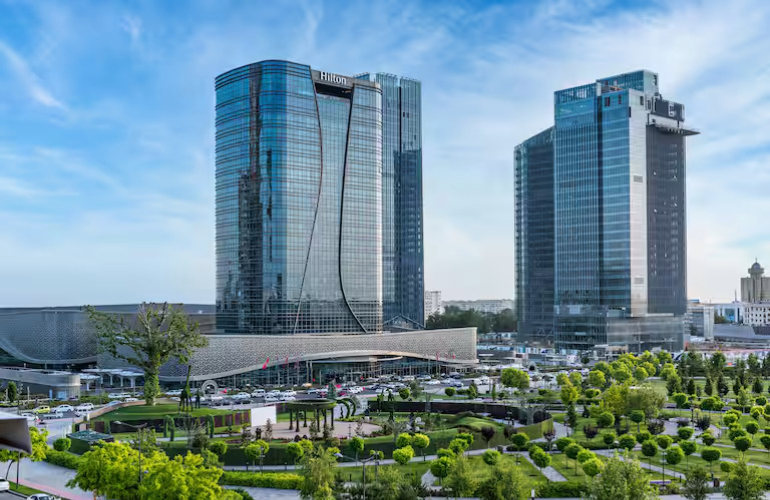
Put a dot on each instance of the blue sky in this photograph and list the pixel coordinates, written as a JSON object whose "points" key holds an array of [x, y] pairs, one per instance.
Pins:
{"points": [[107, 127]]}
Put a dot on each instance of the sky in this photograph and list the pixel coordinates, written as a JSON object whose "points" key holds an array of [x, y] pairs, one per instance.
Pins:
{"points": [[107, 127]]}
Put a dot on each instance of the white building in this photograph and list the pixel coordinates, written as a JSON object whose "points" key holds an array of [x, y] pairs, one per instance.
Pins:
{"points": [[494, 306], [699, 321], [433, 304]]}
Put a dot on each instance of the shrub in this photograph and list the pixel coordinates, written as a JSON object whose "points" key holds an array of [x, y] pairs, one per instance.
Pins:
{"points": [[63, 459], [643, 436], [278, 480], [450, 391], [62, 444], [655, 427], [685, 432], [590, 431], [703, 422], [725, 467], [491, 457], [218, 447], [682, 422], [444, 452], [243, 493], [568, 489]]}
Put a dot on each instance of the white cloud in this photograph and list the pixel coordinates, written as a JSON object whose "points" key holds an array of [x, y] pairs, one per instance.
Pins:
{"points": [[133, 26], [29, 79]]}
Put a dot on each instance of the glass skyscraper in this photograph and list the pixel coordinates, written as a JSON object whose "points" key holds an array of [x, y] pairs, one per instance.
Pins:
{"points": [[308, 203], [619, 229]]}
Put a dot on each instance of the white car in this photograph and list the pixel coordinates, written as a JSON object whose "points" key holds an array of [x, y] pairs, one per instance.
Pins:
{"points": [[355, 390], [274, 392], [130, 400], [286, 397], [4, 485], [176, 398], [84, 407], [63, 408], [175, 392], [31, 419], [407, 378], [433, 382], [258, 393], [313, 391], [271, 399], [289, 393], [242, 395], [116, 395]]}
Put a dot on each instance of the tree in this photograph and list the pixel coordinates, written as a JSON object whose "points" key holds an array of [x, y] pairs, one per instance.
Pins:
{"points": [[562, 443], [38, 439], [62, 444], [627, 441], [458, 446], [402, 456], [609, 438], [596, 378], [160, 333], [403, 393], [744, 482], [765, 440], [606, 419], [709, 388], [488, 432], [403, 440], [742, 443], [541, 459], [356, 444], [680, 399], [685, 433], [643, 436], [592, 467], [621, 479], [691, 389], [752, 427], [696, 484], [569, 394], [640, 374], [572, 451], [318, 469], [616, 401], [707, 438], [506, 482], [109, 470], [491, 457], [571, 419], [688, 448], [257, 450], [673, 383], [562, 379], [711, 455], [441, 467], [450, 391], [518, 379], [649, 449], [13, 391], [722, 387], [674, 455], [647, 399], [462, 478], [742, 399], [184, 477], [757, 387], [637, 416], [220, 448], [585, 455]]}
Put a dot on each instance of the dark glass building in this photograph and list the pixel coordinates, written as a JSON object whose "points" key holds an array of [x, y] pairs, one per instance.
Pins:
{"points": [[619, 226], [310, 207]]}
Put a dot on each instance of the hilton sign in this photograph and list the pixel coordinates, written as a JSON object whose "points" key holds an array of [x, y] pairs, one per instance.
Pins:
{"points": [[331, 77]]}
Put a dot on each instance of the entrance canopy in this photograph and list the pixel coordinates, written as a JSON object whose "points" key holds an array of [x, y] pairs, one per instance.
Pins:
{"points": [[14, 434]]}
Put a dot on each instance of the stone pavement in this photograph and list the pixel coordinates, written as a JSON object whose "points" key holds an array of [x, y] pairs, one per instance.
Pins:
{"points": [[50, 478], [549, 472]]}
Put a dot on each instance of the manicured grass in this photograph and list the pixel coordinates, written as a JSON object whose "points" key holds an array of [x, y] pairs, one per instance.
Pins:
{"points": [[24, 490], [416, 467], [159, 411]]}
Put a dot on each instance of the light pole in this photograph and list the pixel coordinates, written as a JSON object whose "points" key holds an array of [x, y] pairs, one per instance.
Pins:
{"points": [[136, 428], [363, 468]]}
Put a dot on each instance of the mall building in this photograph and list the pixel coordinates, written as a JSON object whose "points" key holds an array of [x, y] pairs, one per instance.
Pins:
{"points": [[319, 240]]}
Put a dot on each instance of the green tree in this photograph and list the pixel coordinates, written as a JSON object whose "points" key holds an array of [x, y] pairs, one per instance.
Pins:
{"points": [[680, 399], [711, 455], [403, 440], [184, 477], [616, 401], [742, 443], [643, 436], [621, 479], [62, 444], [318, 470], [640, 374], [421, 442], [722, 387], [609, 438], [627, 441], [757, 387], [569, 394], [696, 484], [742, 399], [647, 399], [691, 389], [441, 467], [592, 467], [674, 456], [109, 470], [13, 391], [561, 444], [707, 438], [450, 391], [572, 451], [765, 440], [491, 457], [38, 439], [605, 419], [709, 388], [403, 393], [160, 333], [518, 379], [220, 448], [541, 459], [649, 449], [744, 482], [637, 416], [562, 379], [458, 446], [685, 433], [506, 482], [402, 456], [571, 418], [688, 447], [596, 378], [462, 478], [356, 444], [257, 450], [752, 427], [576, 379], [664, 441]]}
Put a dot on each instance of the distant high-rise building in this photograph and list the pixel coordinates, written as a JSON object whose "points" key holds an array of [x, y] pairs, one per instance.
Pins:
{"points": [[619, 225], [433, 304], [319, 201], [755, 288], [493, 306]]}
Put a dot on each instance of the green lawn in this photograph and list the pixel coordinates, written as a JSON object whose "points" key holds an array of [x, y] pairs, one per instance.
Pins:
{"points": [[155, 412], [482, 470], [24, 490], [416, 467]]}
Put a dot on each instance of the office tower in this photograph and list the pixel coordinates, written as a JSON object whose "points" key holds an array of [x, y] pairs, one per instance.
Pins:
{"points": [[619, 216], [433, 303], [310, 207], [533, 184], [755, 288]]}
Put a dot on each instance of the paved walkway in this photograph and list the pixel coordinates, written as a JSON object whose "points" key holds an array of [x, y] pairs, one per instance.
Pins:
{"points": [[51, 479], [549, 472]]}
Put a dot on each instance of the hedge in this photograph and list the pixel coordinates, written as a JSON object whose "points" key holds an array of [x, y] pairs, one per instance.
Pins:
{"points": [[535, 431], [62, 459], [568, 489], [278, 480]]}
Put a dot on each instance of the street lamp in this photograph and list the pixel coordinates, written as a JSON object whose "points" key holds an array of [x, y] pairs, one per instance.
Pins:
{"points": [[363, 468], [136, 428]]}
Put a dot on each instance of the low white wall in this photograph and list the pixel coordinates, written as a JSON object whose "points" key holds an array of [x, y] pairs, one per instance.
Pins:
{"points": [[259, 416]]}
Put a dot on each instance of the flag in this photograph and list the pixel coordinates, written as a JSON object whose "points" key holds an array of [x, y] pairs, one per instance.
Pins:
{"points": [[436, 355], [453, 356], [266, 362]]}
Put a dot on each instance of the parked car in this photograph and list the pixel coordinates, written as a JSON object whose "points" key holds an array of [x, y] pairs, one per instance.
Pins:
{"points": [[175, 392], [242, 395], [130, 400], [424, 378], [85, 407], [407, 378], [271, 399], [4, 485], [289, 393], [115, 395], [286, 397], [258, 393], [42, 496], [433, 382], [175, 398], [42, 409], [63, 408]]}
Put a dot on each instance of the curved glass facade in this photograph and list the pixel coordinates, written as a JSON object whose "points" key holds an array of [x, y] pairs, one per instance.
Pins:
{"points": [[298, 201]]}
